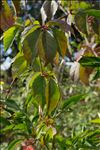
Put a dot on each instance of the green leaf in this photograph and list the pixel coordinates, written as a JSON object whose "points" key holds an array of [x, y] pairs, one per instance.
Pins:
{"points": [[90, 61], [13, 145], [12, 104], [49, 45], [96, 26], [20, 126], [9, 37], [40, 48], [38, 86], [80, 21], [4, 121], [50, 132], [29, 44], [62, 24], [19, 65], [97, 74], [96, 121], [93, 12], [52, 95], [61, 41], [7, 128], [73, 100]]}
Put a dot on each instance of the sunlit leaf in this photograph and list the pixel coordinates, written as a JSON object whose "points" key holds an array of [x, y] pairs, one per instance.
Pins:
{"points": [[51, 131], [48, 9], [84, 74], [96, 121], [9, 37], [74, 71], [8, 128], [93, 12], [21, 127]]}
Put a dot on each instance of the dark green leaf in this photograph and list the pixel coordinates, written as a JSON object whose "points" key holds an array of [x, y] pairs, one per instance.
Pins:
{"points": [[49, 45], [52, 95], [73, 100], [97, 74], [4, 121], [90, 61], [11, 104], [80, 21], [38, 84], [29, 44], [96, 26]]}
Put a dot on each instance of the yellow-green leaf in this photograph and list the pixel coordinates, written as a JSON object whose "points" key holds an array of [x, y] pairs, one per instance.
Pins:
{"points": [[9, 37]]}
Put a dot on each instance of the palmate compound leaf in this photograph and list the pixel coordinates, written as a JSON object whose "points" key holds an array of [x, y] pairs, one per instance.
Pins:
{"points": [[45, 91], [9, 36], [61, 41], [49, 46], [7, 18], [52, 95], [29, 44]]}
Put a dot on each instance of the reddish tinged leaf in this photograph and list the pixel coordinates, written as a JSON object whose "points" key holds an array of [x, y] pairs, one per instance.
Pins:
{"points": [[7, 18], [29, 147]]}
